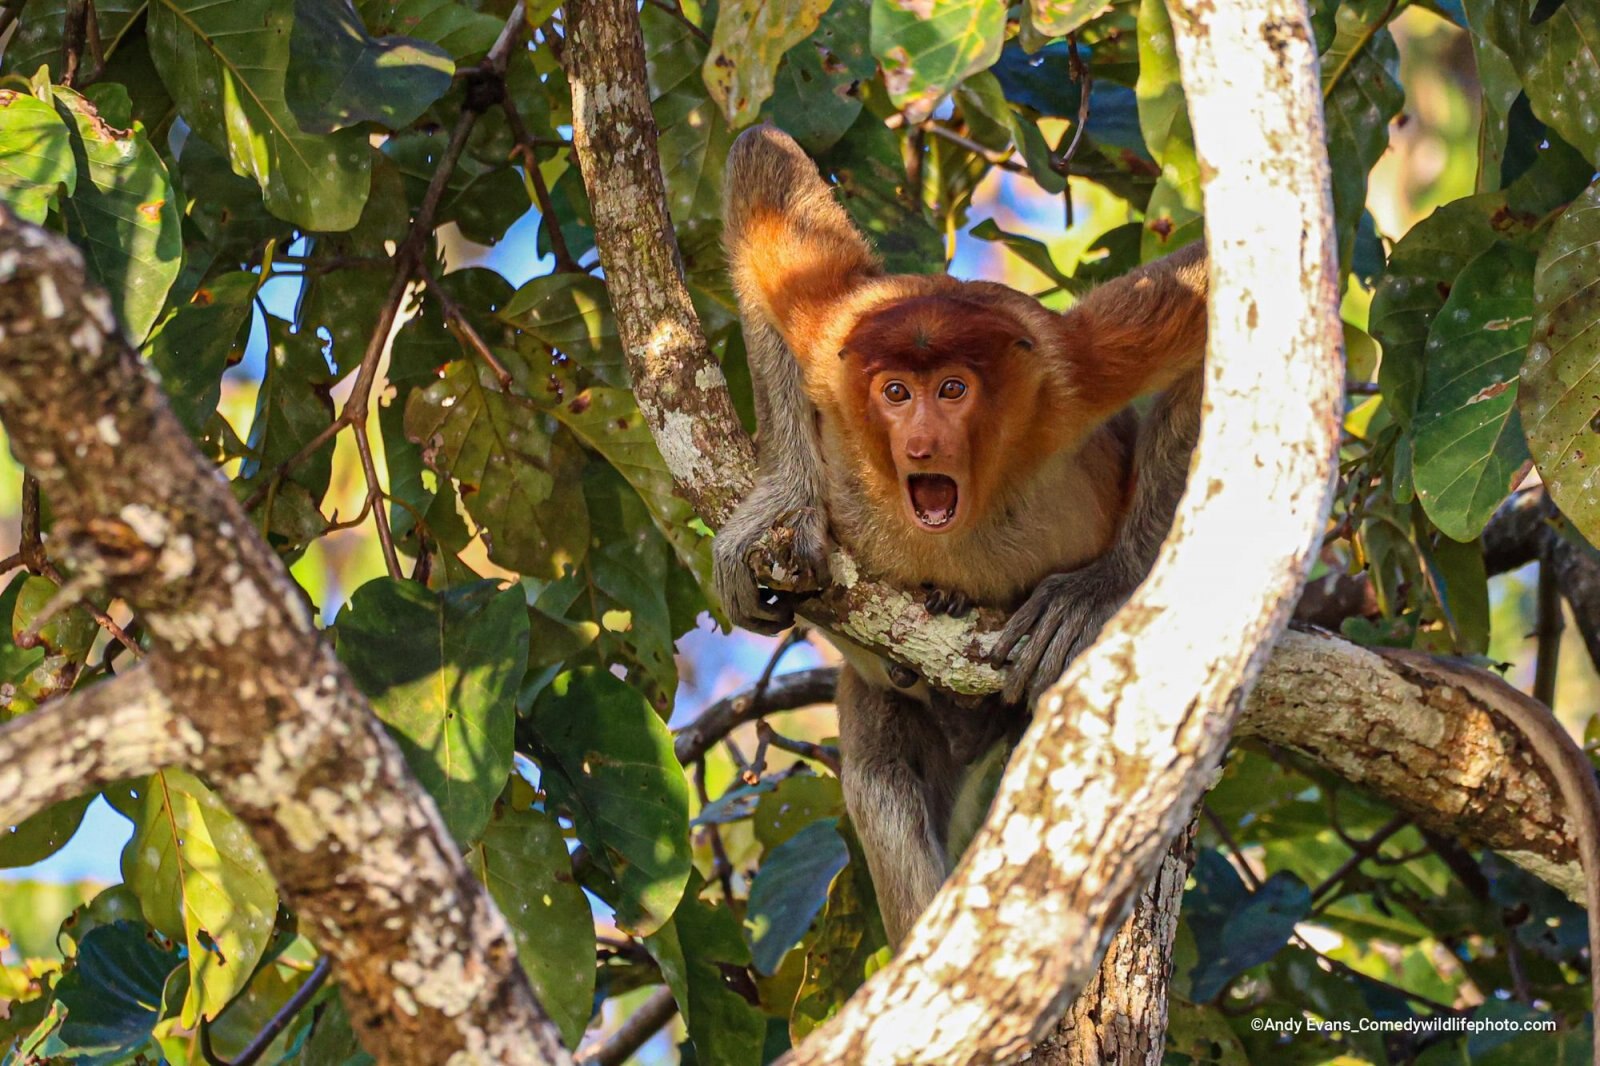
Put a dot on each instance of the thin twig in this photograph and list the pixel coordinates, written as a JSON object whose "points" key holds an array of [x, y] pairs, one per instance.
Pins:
{"points": [[1003, 160], [675, 9], [32, 546], [722, 868], [1551, 624], [526, 145], [818, 753], [1233, 847], [276, 1024], [74, 31], [1062, 163], [467, 334], [103, 620], [787, 692], [633, 1033], [1365, 850]]}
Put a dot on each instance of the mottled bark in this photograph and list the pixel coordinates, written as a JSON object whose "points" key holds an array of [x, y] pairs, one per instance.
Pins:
{"points": [[678, 383], [357, 847]]}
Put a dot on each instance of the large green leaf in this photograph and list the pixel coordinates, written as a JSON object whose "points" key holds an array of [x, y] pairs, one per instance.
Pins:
{"points": [[519, 479], [571, 315], [694, 135], [462, 32], [35, 156], [870, 173], [205, 337], [340, 75], [65, 640], [123, 213], [1469, 451], [523, 861], [442, 672], [1360, 93], [42, 835], [1560, 400], [1501, 87], [1236, 928], [201, 880], [750, 38], [1172, 217], [293, 405], [848, 943], [790, 889], [113, 993], [815, 99], [693, 949], [1558, 59], [225, 61], [927, 47], [607, 759]]}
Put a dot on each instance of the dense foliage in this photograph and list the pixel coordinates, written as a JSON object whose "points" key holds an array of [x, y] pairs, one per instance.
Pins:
{"points": [[251, 182]]}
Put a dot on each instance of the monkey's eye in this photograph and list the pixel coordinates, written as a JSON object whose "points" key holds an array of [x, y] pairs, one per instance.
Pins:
{"points": [[952, 389], [896, 392]]}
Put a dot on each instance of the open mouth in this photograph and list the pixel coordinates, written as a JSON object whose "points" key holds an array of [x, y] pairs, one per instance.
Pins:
{"points": [[933, 499]]}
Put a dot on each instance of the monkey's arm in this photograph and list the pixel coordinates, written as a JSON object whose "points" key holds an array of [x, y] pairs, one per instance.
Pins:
{"points": [[793, 254], [1066, 611]]}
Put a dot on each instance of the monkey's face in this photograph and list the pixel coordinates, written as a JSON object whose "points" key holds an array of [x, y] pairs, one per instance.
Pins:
{"points": [[927, 421]]}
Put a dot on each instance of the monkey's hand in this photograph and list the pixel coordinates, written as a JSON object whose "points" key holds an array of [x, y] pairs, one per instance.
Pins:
{"points": [[772, 532], [1061, 619]]}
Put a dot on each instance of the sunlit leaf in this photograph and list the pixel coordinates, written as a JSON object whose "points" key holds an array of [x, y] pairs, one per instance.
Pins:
{"points": [[694, 135], [750, 38], [225, 65], [571, 315], [927, 47], [607, 759], [1558, 59], [35, 155], [1172, 216], [817, 95], [442, 672], [694, 950], [462, 32], [202, 881], [1056, 18]]}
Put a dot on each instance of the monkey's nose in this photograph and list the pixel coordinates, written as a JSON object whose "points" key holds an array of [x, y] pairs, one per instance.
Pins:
{"points": [[919, 448]]}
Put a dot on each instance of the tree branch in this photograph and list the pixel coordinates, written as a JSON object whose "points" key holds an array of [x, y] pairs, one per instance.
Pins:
{"points": [[120, 728]]}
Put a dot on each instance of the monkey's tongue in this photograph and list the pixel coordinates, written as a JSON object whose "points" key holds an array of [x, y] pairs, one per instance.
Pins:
{"points": [[933, 497]]}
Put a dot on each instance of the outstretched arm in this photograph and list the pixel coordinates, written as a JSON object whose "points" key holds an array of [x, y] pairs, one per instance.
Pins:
{"points": [[793, 254]]}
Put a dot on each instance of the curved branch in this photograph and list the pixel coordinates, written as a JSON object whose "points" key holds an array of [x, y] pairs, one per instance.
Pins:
{"points": [[426, 964], [785, 692], [95, 737]]}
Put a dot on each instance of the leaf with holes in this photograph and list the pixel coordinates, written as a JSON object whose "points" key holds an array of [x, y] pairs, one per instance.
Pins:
{"points": [[523, 861], [817, 95], [201, 880], [1469, 451], [442, 671], [339, 75], [607, 759], [750, 38], [123, 213], [225, 65], [35, 156], [519, 479], [1561, 379], [571, 315], [927, 47]]}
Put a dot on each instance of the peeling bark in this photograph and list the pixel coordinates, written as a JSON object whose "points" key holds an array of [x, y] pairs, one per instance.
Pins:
{"points": [[358, 849]]}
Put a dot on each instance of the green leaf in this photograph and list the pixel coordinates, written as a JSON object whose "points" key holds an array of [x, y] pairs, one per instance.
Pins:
{"points": [[1057, 18], [1558, 60], [848, 944], [870, 174], [694, 137], [570, 314], [607, 759], [790, 889], [816, 97], [42, 835], [442, 672], [38, 41], [1501, 87], [340, 76], [750, 38], [206, 336], [200, 879], [523, 861], [1560, 400], [797, 802], [1172, 216], [1361, 93], [518, 478], [1236, 928], [225, 65], [927, 47], [65, 640], [1469, 448], [693, 950], [35, 156], [293, 405], [16, 664], [123, 213], [1458, 578], [113, 993], [609, 421], [462, 32]]}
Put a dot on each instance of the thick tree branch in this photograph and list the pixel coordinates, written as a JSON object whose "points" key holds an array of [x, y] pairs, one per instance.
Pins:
{"points": [[358, 849], [83, 742]]}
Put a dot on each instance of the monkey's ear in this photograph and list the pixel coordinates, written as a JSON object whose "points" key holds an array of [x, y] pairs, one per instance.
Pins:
{"points": [[1138, 333], [793, 252]]}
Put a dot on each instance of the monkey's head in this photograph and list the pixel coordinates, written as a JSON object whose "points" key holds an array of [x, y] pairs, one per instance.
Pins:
{"points": [[948, 392]]}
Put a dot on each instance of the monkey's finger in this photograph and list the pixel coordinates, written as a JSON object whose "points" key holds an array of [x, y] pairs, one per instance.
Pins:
{"points": [[1055, 614], [1019, 625]]}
